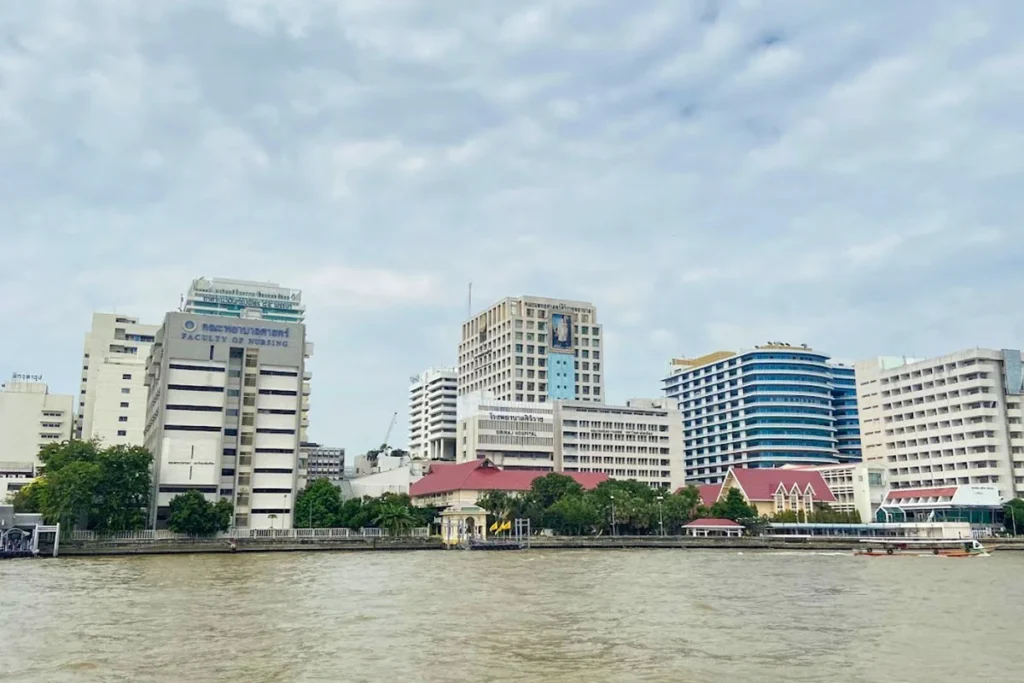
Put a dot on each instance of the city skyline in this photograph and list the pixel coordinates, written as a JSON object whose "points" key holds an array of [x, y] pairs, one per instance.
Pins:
{"points": [[708, 177]]}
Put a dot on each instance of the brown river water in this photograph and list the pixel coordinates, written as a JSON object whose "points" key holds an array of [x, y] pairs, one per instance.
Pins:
{"points": [[543, 615]]}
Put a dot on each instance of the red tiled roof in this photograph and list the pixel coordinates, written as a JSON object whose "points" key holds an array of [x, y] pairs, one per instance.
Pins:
{"points": [[900, 494], [708, 493], [482, 475], [712, 522], [761, 484]]}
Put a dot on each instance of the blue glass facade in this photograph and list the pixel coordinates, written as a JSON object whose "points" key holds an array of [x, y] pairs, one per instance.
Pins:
{"points": [[561, 376], [767, 407]]}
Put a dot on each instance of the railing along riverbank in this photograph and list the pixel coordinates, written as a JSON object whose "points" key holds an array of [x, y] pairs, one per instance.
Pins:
{"points": [[81, 543]]}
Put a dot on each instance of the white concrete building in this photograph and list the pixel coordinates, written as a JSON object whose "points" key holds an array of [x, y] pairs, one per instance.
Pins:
{"points": [[946, 421], [533, 350], [31, 418], [641, 440], [244, 299], [514, 435], [14, 476], [432, 414], [226, 415], [859, 486], [112, 399]]}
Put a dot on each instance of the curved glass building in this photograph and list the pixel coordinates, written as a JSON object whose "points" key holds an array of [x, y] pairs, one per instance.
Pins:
{"points": [[770, 406]]}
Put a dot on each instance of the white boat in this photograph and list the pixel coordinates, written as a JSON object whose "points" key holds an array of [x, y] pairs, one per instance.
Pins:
{"points": [[884, 547]]}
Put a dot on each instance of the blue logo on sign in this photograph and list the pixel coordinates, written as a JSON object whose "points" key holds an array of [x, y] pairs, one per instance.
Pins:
{"points": [[189, 325]]}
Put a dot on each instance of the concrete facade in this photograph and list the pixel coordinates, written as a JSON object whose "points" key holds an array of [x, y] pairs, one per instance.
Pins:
{"points": [[112, 399], [770, 406], [432, 414], [226, 415], [946, 421], [244, 299], [641, 440], [31, 418], [533, 350]]}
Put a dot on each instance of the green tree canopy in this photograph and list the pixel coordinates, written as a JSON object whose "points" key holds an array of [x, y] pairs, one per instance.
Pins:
{"points": [[572, 515], [395, 517], [734, 507], [318, 505], [84, 486], [1013, 517], [551, 487], [191, 513]]}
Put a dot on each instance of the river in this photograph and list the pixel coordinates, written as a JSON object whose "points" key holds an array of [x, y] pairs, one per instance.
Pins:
{"points": [[632, 615]]}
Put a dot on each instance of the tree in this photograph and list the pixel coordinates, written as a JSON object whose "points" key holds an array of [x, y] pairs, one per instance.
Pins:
{"points": [[31, 497], [499, 505], [223, 511], [394, 517], [1013, 516], [572, 515], [123, 492], [318, 505], [734, 507], [550, 488], [192, 514], [70, 494], [85, 486]]}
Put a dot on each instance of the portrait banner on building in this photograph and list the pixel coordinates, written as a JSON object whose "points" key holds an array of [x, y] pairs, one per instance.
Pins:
{"points": [[561, 331]]}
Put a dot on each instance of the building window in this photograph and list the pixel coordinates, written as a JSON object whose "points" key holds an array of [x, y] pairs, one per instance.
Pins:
{"points": [[121, 432], [124, 404], [122, 418], [126, 390], [126, 376]]}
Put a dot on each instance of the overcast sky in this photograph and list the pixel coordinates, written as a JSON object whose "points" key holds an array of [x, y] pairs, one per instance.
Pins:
{"points": [[710, 175]]}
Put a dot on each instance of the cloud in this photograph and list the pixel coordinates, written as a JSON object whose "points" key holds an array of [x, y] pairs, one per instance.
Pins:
{"points": [[710, 175]]}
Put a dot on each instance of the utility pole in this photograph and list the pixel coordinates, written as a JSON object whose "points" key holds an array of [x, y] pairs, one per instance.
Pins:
{"points": [[661, 517], [614, 532]]}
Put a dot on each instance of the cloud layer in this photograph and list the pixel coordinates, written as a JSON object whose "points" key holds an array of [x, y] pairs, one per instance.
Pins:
{"points": [[711, 175]]}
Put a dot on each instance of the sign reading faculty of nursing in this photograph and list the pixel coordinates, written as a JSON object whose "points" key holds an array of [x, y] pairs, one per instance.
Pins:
{"points": [[247, 335]]}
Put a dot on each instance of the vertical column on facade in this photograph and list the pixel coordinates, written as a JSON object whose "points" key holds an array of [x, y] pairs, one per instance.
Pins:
{"points": [[246, 432]]}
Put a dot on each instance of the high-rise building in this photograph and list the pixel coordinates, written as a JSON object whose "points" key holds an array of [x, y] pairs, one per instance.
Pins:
{"points": [[31, 418], [951, 421], [533, 350], [324, 462], [112, 401], [432, 414], [641, 440], [226, 414], [245, 299], [770, 406]]}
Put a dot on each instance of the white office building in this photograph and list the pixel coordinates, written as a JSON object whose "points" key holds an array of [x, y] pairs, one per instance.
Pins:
{"points": [[432, 414], [947, 421], [112, 399], [641, 440], [244, 299], [226, 415], [857, 486], [533, 350], [31, 418]]}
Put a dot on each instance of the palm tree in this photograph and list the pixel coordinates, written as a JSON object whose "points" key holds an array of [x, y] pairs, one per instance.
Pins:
{"points": [[395, 518]]}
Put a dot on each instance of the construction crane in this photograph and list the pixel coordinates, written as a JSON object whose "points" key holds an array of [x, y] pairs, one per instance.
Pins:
{"points": [[375, 454]]}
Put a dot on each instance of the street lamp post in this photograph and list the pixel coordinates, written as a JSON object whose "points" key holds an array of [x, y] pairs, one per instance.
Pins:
{"points": [[661, 517], [614, 533]]}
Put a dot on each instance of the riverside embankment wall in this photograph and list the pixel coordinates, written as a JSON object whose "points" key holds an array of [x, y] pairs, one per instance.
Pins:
{"points": [[222, 545]]}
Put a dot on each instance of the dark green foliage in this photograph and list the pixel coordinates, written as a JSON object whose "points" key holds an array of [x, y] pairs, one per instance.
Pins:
{"points": [[84, 486], [734, 507], [192, 514], [1013, 516], [318, 506]]}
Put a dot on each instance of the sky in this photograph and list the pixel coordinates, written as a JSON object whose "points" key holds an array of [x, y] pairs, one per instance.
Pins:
{"points": [[711, 175]]}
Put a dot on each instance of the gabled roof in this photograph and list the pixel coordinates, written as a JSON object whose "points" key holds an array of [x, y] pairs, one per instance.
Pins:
{"points": [[708, 493], [708, 522], [483, 475], [761, 484]]}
